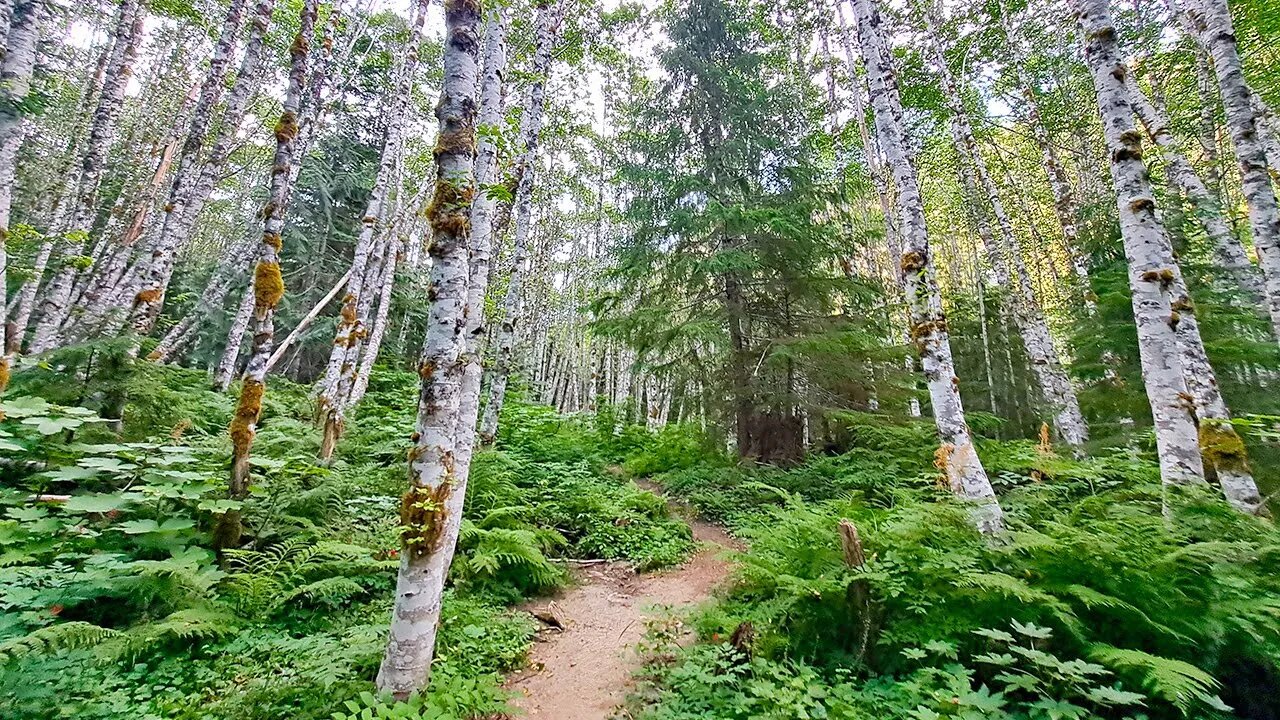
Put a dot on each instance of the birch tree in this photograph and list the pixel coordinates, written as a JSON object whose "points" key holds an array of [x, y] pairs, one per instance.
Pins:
{"points": [[431, 511], [344, 357], [1228, 253], [550, 12], [482, 219], [124, 49], [1055, 386], [957, 455], [1151, 267], [268, 283], [1211, 20], [196, 174], [19, 62]]}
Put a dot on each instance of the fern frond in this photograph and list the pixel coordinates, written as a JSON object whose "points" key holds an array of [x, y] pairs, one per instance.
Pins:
{"points": [[51, 638], [1182, 684]]}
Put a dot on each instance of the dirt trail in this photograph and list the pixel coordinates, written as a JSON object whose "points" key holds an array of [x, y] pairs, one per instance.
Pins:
{"points": [[583, 672]]}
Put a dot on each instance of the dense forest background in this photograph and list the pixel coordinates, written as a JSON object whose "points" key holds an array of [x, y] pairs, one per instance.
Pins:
{"points": [[963, 318]]}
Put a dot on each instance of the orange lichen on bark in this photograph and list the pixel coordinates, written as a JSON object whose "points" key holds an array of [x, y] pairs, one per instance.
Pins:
{"points": [[147, 297], [246, 417], [273, 240], [268, 285], [912, 261], [5, 375], [287, 127]]}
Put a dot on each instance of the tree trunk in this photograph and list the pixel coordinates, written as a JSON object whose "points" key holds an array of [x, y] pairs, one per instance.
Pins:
{"points": [[306, 321], [1152, 270], [1212, 21], [106, 116], [1064, 203], [431, 511], [1223, 452], [268, 284], [1054, 385], [957, 456], [193, 180], [344, 355], [373, 343], [211, 300], [1227, 250], [26, 17], [549, 15], [230, 358], [492, 93]]}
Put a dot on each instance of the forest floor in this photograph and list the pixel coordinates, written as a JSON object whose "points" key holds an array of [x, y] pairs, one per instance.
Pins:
{"points": [[583, 670]]}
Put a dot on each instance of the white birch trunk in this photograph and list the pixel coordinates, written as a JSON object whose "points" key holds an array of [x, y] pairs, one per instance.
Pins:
{"points": [[106, 116], [957, 455], [26, 17], [211, 300], [1212, 21], [1152, 269], [548, 22], [190, 188], [1222, 450], [345, 353], [230, 358], [431, 511], [268, 284], [1055, 387], [1227, 250], [373, 343], [492, 94]]}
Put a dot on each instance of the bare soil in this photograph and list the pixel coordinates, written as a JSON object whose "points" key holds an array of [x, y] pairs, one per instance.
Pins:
{"points": [[583, 671]]}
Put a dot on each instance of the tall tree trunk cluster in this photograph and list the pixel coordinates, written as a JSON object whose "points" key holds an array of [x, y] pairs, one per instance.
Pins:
{"points": [[957, 457], [374, 255]]}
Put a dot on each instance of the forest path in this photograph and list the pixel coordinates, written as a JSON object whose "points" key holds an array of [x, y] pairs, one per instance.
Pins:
{"points": [[583, 671]]}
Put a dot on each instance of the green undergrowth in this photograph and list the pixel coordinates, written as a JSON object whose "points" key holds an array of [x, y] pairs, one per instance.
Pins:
{"points": [[1095, 604], [114, 606]]}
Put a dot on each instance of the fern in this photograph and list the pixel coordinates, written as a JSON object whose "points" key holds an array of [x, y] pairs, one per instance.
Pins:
{"points": [[1182, 684], [52, 638]]}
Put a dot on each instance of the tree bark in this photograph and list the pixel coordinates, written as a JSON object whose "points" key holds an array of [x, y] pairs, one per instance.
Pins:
{"points": [[492, 95], [306, 321], [268, 284], [1212, 22], [1065, 206], [431, 511], [106, 116], [1054, 385], [548, 23], [957, 456], [194, 179], [1151, 266], [344, 355], [225, 370], [26, 17], [1221, 449], [1227, 250]]}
